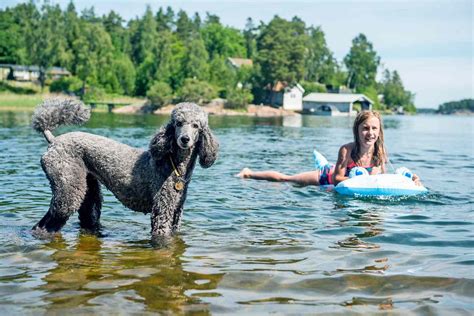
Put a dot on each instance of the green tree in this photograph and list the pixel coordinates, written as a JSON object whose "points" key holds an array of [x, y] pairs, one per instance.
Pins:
{"points": [[164, 20], [223, 41], [197, 22], [311, 86], [166, 63], [282, 47], [282, 51], [196, 63], [145, 75], [221, 75], [212, 18], [17, 24], [465, 105], [88, 15], [44, 41], [320, 63], [113, 24], [125, 74], [196, 91], [143, 37], [250, 38], [372, 93], [11, 38], [394, 93], [185, 28], [72, 31], [238, 98], [94, 58], [172, 55], [69, 84], [362, 63], [159, 94]]}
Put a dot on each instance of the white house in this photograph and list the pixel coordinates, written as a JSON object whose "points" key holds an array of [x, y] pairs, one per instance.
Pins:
{"points": [[29, 73], [293, 98], [334, 104], [239, 62]]}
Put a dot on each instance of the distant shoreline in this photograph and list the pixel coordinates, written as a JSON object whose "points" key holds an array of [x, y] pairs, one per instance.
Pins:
{"points": [[27, 103], [215, 109]]}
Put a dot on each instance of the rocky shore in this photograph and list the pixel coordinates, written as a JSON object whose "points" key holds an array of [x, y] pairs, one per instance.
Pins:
{"points": [[215, 107]]}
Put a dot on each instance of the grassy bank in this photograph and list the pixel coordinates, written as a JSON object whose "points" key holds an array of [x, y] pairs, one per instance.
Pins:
{"points": [[13, 101], [23, 102], [15, 95]]}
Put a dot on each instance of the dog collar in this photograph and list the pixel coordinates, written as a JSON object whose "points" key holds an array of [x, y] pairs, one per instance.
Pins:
{"points": [[179, 185]]}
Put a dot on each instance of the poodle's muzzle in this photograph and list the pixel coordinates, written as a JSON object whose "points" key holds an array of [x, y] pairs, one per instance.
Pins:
{"points": [[187, 135]]}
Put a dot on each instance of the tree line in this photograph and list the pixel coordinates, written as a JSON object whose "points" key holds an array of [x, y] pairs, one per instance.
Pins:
{"points": [[167, 55], [461, 106]]}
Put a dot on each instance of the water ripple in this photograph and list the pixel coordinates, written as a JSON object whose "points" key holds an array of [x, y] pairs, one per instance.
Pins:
{"points": [[247, 246]]}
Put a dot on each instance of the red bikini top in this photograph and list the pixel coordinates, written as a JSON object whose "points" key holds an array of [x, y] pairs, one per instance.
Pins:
{"points": [[352, 164]]}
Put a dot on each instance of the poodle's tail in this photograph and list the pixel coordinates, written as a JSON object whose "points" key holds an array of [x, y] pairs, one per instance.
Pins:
{"points": [[55, 112]]}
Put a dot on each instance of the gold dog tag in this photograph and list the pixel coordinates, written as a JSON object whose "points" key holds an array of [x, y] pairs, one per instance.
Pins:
{"points": [[179, 185]]}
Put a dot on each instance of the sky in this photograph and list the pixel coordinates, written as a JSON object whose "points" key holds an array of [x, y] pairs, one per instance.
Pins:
{"points": [[429, 42]]}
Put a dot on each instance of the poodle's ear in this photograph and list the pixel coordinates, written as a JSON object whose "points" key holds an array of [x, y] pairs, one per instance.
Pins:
{"points": [[208, 148], [162, 143]]}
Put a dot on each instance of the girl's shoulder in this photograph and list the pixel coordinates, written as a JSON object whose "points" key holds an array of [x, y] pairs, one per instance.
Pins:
{"points": [[348, 147], [345, 152]]}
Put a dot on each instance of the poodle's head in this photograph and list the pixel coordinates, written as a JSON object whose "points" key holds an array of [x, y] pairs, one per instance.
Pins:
{"points": [[188, 128], [188, 120]]}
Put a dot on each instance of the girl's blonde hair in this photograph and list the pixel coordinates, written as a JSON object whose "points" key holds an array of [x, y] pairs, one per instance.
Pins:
{"points": [[380, 155]]}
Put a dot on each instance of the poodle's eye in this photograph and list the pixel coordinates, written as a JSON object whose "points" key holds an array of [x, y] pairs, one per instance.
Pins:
{"points": [[195, 125], [179, 124]]}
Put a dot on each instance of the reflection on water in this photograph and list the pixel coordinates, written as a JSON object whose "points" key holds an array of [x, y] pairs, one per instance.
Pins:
{"points": [[370, 220], [92, 275], [247, 246]]}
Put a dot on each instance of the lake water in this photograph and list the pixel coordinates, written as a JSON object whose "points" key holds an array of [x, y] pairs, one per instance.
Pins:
{"points": [[250, 247]]}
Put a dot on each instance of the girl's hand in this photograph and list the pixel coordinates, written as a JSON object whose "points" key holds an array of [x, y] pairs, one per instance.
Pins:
{"points": [[244, 173], [416, 179]]}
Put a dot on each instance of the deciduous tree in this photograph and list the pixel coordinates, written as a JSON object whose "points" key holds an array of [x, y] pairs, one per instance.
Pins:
{"points": [[362, 63]]}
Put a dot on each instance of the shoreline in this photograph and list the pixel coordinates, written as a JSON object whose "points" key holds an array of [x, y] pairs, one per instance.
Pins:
{"points": [[27, 103], [213, 108], [252, 110], [264, 112]]}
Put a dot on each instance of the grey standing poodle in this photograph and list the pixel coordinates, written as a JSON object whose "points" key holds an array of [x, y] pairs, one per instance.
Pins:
{"points": [[150, 181]]}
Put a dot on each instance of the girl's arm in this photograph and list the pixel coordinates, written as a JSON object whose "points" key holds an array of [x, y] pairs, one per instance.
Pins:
{"points": [[341, 165], [304, 178]]}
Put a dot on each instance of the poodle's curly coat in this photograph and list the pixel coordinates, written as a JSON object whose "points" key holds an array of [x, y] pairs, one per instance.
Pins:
{"points": [[150, 181]]}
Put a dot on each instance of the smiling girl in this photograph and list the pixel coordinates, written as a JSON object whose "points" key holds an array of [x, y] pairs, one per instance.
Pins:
{"points": [[366, 151]]}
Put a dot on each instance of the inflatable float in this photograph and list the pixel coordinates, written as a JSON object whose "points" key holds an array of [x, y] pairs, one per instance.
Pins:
{"points": [[360, 183], [379, 185]]}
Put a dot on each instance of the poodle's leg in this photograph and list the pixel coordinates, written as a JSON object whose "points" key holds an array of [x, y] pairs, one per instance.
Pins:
{"points": [[68, 182], [89, 212], [166, 211]]}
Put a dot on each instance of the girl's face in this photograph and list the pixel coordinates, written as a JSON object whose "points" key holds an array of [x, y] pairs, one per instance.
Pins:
{"points": [[369, 132]]}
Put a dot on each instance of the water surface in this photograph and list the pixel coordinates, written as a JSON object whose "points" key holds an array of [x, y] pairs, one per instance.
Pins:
{"points": [[246, 246]]}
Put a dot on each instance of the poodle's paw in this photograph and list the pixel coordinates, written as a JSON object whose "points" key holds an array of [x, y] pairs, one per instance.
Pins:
{"points": [[244, 173], [42, 233]]}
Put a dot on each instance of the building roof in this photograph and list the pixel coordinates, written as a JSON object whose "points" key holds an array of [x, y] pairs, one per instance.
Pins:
{"points": [[239, 62], [58, 71], [297, 86], [279, 86], [33, 68], [336, 97]]}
